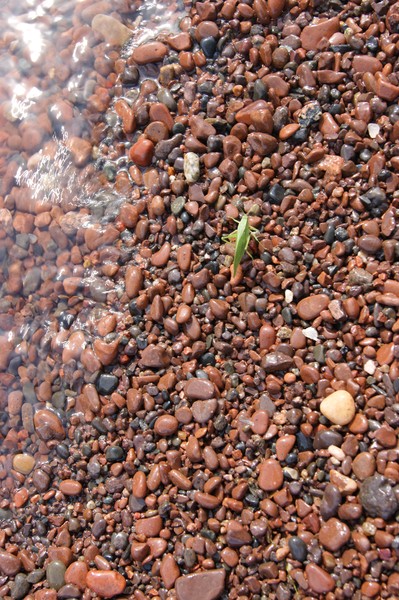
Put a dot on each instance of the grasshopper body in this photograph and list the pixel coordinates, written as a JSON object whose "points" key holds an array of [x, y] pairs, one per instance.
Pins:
{"points": [[241, 236]]}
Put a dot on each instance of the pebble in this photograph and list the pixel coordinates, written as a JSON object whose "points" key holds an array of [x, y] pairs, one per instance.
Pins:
{"points": [[313, 34], [203, 410], [319, 580], [9, 564], [276, 361], [113, 31], [48, 426], [55, 574], [169, 571], [150, 527], [154, 357], [106, 584], [149, 53], [191, 167], [339, 407], [141, 152], [309, 308], [334, 534], [70, 487], [199, 389], [207, 585], [166, 425], [23, 463], [76, 574], [271, 475], [378, 497], [364, 465], [21, 587], [298, 548]]}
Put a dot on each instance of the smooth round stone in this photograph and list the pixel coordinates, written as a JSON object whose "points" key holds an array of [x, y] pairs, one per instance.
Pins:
{"points": [[9, 564], [166, 425], [23, 463], [364, 465], [141, 152], [271, 475], [155, 357], [107, 383], [106, 584], [326, 438], [55, 574], [199, 389], [115, 454], [338, 407], [76, 574], [149, 53], [150, 527], [378, 497], [111, 30], [334, 534], [70, 487], [298, 548], [20, 588], [309, 308]]}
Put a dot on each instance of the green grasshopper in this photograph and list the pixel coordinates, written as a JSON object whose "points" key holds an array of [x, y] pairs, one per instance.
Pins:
{"points": [[241, 236]]}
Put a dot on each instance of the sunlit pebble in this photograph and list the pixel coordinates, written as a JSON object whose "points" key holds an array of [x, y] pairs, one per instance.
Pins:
{"points": [[289, 296], [310, 333], [336, 453], [370, 367], [373, 130]]}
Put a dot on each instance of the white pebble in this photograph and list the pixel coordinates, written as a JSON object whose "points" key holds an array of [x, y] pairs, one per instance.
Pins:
{"points": [[310, 333], [373, 130], [338, 407], [336, 452], [191, 167], [289, 296], [370, 367]]}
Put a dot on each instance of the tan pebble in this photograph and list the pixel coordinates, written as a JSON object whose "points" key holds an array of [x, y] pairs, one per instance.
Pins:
{"points": [[70, 487], [23, 463], [338, 407], [346, 485], [111, 30]]}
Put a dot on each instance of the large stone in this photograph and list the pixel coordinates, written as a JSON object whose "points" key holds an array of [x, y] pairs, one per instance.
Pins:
{"points": [[338, 407], [208, 585], [154, 357]]}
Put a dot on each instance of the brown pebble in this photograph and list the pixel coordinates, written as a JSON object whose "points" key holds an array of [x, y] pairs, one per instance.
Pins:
{"points": [[166, 425], [10, 565], [199, 389], [106, 584], [270, 475], [149, 53], [70, 487], [208, 585], [169, 571], [312, 35], [155, 357], [150, 527], [309, 308], [363, 465], [334, 534], [319, 580], [48, 426]]}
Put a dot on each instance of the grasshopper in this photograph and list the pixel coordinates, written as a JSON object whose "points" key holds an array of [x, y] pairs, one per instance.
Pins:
{"points": [[241, 236]]}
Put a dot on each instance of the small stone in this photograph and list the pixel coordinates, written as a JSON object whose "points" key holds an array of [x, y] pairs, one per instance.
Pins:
{"points": [[309, 308], [378, 497], [10, 565], [271, 475], [55, 574], [106, 384], [364, 465], [312, 35], [237, 536], [203, 410], [169, 571], [298, 548], [208, 585], [20, 588], [23, 463], [106, 584], [141, 152], [111, 30], [166, 425], [48, 426], [191, 167], [76, 574], [276, 361], [319, 580], [338, 407], [70, 487], [199, 389], [154, 357], [149, 53], [150, 527], [334, 534]]}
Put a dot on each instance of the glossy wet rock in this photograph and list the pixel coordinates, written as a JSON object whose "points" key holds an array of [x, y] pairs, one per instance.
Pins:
{"points": [[106, 584]]}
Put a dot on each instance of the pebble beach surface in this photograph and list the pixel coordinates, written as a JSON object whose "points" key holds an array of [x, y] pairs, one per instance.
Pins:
{"points": [[171, 428]]}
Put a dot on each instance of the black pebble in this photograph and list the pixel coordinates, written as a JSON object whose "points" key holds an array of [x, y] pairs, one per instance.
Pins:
{"points": [[106, 384], [208, 46], [298, 548]]}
